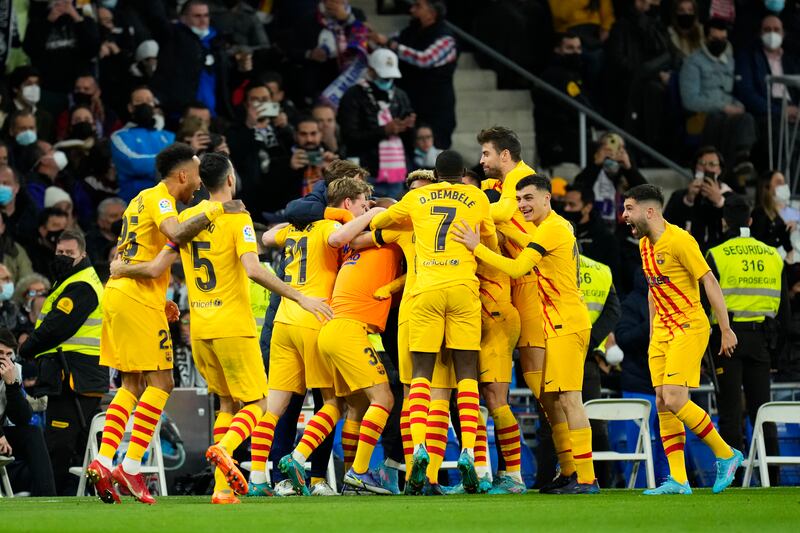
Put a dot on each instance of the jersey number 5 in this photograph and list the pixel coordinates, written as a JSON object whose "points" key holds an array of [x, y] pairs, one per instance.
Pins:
{"points": [[200, 262], [448, 215]]}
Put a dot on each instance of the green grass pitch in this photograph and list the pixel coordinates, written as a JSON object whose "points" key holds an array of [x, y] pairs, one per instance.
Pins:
{"points": [[753, 510]]}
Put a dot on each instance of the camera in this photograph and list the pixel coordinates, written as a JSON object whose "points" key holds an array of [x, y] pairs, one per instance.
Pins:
{"points": [[315, 157], [268, 110]]}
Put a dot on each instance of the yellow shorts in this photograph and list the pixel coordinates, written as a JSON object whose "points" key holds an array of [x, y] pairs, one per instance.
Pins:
{"points": [[563, 361], [452, 314], [677, 362], [232, 366], [499, 334], [345, 343], [294, 360], [134, 337], [444, 376], [525, 298]]}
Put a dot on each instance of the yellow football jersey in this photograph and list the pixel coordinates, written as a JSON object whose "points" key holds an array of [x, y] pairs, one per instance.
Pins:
{"points": [[494, 288], [673, 267], [219, 289], [404, 238], [440, 261], [311, 268], [141, 240], [552, 253]]}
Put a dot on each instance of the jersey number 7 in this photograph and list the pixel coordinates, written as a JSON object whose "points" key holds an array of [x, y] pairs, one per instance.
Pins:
{"points": [[448, 215]]}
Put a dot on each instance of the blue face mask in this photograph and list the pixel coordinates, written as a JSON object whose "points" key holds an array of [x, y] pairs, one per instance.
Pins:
{"points": [[170, 293], [109, 4], [6, 291], [776, 6], [6, 194], [200, 32], [384, 84], [26, 138], [611, 166]]}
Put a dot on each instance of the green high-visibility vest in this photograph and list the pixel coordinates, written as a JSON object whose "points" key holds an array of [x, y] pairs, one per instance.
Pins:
{"points": [[259, 301], [87, 339], [595, 285], [750, 278]]}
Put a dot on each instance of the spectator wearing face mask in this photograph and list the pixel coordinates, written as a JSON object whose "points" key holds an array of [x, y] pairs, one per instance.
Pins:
{"points": [[52, 223], [140, 69], [12, 254], [26, 91], [9, 313], [706, 87], [48, 165], [22, 137], [29, 296], [87, 94], [135, 146], [685, 30], [425, 153], [772, 194], [754, 63], [19, 212]]}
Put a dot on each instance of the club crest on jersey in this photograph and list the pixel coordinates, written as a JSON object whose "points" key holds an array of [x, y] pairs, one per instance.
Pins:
{"points": [[165, 206], [249, 234], [660, 259]]}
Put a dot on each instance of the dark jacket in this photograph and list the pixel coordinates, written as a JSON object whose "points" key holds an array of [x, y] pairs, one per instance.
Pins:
{"points": [[358, 120], [623, 180], [605, 323], [310, 208], [771, 231], [23, 224], [752, 68], [633, 338], [704, 219], [597, 242], [18, 411], [58, 326]]}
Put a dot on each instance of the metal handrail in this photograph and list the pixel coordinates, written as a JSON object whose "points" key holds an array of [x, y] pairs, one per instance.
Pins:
{"points": [[564, 99]]}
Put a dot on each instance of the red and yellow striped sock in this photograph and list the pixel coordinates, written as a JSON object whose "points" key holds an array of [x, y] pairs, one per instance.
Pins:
{"points": [[371, 428], [468, 411], [481, 449], [317, 430], [700, 424], [506, 432], [405, 433], [436, 439], [350, 430], [419, 401], [221, 426], [119, 411], [534, 382], [673, 438], [563, 445], [145, 419], [582, 453], [242, 427], [260, 444]]}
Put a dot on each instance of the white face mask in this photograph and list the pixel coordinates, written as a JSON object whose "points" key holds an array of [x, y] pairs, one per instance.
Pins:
{"points": [[31, 94], [60, 159], [772, 40], [783, 194], [200, 32]]}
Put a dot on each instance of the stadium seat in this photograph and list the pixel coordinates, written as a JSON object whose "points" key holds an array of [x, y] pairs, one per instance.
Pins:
{"points": [[777, 412], [5, 484], [154, 460], [634, 410]]}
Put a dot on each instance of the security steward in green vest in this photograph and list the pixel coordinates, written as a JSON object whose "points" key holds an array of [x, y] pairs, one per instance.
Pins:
{"points": [[70, 320], [750, 274]]}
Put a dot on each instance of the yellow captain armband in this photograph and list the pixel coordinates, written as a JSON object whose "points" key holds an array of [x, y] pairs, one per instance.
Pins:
{"points": [[214, 211]]}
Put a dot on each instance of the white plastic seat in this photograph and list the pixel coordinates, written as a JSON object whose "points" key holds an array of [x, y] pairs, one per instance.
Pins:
{"points": [[153, 465], [4, 481], [629, 409], [775, 412]]}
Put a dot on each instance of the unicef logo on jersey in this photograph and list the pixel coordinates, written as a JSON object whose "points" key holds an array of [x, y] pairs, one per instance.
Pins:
{"points": [[249, 234], [165, 206]]}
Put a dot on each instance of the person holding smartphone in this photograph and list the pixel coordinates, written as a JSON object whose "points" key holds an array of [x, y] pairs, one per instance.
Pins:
{"points": [[309, 155]]}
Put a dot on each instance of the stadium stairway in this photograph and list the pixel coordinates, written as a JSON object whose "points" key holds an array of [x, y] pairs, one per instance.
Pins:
{"points": [[478, 102]]}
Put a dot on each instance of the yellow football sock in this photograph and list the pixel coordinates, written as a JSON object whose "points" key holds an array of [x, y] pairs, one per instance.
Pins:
{"points": [[317, 430], [582, 454], [260, 444], [241, 427], [436, 439], [145, 419], [700, 424], [506, 431], [315, 480], [673, 438], [405, 433], [350, 430], [534, 382], [371, 428], [481, 446], [419, 400], [563, 444], [221, 426], [468, 411], [119, 411]]}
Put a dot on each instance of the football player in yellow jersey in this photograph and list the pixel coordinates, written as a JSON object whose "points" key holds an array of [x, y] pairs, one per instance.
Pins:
{"points": [[679, 332], [135, 337], [553, 253], [218, 263], [445, 305], [312, 263]]}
